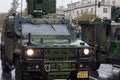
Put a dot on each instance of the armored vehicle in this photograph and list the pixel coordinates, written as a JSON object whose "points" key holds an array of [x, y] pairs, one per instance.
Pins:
{"points": [[107, 42], [44, 48]]}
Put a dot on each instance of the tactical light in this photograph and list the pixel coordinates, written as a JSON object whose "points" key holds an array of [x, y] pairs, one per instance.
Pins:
{"points": [[30, 52], [86, 51]]}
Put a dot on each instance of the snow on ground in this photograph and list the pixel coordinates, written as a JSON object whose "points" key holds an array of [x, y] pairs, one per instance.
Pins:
{"points": [[105, 71], [108, 72]]}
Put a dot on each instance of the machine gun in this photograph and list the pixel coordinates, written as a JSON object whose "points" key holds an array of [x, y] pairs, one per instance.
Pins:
{"points": [[37, 8]]}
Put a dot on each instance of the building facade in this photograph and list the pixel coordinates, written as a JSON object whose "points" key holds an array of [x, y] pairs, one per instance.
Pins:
{"points": [[60, 11], [91, 6]]}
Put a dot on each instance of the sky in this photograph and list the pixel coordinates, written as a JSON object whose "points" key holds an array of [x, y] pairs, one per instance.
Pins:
{"points": [[5, 5]]}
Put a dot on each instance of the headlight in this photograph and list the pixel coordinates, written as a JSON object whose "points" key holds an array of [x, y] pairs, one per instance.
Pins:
{"points": [[30, 52], [86, 51]]}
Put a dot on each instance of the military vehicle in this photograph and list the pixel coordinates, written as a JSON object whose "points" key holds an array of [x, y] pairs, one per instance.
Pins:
{"points": [[44, 48], [105, 37]]}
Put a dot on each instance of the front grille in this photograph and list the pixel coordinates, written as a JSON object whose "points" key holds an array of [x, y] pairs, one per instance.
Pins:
{"points": [[59, 59], [60, 54]]}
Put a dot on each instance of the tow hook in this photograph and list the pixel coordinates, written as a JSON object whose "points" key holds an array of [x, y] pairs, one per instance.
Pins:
{"points": [[47, 67]]}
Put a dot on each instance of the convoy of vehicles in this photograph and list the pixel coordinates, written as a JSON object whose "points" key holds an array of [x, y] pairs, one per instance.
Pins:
{"points": [[44, 48]]}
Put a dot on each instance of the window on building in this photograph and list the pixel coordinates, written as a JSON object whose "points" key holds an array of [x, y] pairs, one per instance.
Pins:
{"points": [[103, 1], [69, 15], [73, 11], [104, 18], [91, 10], [113, 2], [105, 10], [81, 11], [68, 6], [86, 10], [77, 12]]}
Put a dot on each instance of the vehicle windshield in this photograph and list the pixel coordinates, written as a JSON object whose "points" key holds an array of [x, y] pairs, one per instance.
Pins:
{"points": [[45, 29]]}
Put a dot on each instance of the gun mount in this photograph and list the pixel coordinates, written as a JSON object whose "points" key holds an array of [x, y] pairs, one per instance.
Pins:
{"points": [[37, 8]]}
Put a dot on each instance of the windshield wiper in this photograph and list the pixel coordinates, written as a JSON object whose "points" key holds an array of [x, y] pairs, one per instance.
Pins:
{"points": [[49, 24]]}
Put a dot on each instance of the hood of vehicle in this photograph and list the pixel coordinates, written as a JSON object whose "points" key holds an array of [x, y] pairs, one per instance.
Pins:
{"points": [[56, 42]]}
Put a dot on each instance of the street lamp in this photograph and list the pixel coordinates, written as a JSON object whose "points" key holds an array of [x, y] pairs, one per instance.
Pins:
{"points": [[95, 26], [95, 7], [71, 12]]}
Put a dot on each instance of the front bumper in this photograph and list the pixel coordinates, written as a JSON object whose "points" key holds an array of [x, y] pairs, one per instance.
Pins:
{"points": [[83, 68], [32, 65]]}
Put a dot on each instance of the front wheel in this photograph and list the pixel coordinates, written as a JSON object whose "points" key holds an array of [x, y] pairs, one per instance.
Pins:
{"points": [[5, 67], [18, 71], [95, 65]]}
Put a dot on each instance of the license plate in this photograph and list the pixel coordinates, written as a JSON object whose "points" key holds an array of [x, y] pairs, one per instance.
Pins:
{"points": [[82, 74]]}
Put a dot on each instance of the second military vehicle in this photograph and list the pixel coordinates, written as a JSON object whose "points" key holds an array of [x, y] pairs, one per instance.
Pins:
{"points": [[105, 37], [44, 48]]}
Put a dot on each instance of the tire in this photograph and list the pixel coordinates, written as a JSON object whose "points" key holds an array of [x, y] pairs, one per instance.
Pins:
{"points": [[19, 75], [5, 68], [95, 66], [18, 71], [23, 75]]}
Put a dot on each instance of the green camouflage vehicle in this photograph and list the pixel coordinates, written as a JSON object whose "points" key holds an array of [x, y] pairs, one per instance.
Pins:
{"points": [[44, 48], [107, 40]]}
